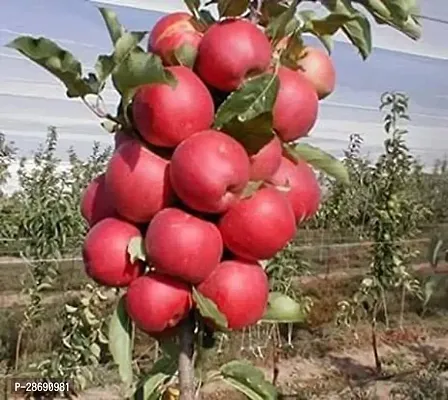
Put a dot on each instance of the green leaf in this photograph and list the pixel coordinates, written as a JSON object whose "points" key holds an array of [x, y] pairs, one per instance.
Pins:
{"points": [[282, 309], [249, 380], [136, 249], [246, 114], [170, 348], [166, 364], [149, 386], [256, 96], [44, 286], [232, 8], [120, 341], [116, 30], [398, 8], [106, 64], [325, 28], [328, 25], [397, 14], [293, 52], [57, 61], [358, 30], [327, 41], [271, 9], [320, 160], [253, 134], [208, 309], [186, 55], [285, 23], [436, 246], [95, 350], [140, 68], [70, 309]]}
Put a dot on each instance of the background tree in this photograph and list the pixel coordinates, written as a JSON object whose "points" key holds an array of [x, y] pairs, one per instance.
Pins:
{"points": [[393, 219]]}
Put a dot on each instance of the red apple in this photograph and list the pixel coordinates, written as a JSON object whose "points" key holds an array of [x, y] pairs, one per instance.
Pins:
{"points": [[105, 253], [181, 245], [266, 161], [318, 68], [240, 290], [209, 170], [231, 51], [303, 189], [156, 302], [170, 33], [296, 107], [95, 203], [137, 181], [316, 65], [166, 115], [257, 227]]}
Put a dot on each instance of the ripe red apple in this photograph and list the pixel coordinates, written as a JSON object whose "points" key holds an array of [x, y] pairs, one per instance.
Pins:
{"points": [[95, 202], [257, 227], [170, 33], [266, 161], [137, 181], [181, 245], [166, 115], [240, 290], [231, 51], [303, 189], [209, 170], [318, 68], [156, 302], [296, 107], [105, 253], [316, 65]]}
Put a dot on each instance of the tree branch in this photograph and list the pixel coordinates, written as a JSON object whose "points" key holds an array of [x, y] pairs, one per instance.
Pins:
{"points": [[186, 361]]}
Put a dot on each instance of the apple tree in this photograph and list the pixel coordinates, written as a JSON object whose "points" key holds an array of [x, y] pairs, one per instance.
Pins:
{"points": [[394, 219], [208, 178]]}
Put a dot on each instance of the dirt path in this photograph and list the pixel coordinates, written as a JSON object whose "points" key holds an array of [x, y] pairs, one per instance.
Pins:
{"points": [[353, 367]]}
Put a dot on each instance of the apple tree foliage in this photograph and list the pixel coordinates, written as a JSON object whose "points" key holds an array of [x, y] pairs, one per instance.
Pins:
{"points": [[248, 109], [7, 205], [44, 212], [394, 218]]}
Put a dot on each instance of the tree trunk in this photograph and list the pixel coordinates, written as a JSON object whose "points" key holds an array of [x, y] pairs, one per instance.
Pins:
{"points": [[186, 361]]}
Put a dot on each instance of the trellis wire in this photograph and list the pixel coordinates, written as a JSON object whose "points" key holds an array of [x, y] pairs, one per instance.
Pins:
{"points": [[297, 248]]}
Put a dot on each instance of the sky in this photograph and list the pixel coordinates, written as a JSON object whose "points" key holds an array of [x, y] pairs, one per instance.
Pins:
{"points": [[31, 99]]}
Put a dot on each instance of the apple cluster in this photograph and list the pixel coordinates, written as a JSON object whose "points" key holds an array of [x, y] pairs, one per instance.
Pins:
{"points": [[179, 187]]}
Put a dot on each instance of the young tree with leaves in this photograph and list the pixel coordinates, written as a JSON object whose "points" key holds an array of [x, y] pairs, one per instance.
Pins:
{"points": [[395, 218]]}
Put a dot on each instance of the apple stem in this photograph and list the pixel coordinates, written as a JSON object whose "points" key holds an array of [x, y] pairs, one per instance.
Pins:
{"points": [[186, 360], [98, 110]]}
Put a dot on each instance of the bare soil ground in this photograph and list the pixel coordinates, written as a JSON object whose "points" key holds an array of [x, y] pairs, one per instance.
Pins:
{"points": [[330, 377], [333, 372]]}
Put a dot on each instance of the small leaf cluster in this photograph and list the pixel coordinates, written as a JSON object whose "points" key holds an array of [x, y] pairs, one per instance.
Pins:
{"points": [[84, 342]]}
